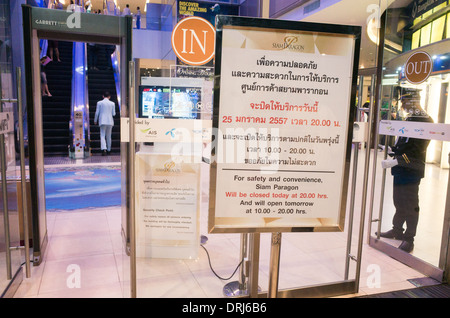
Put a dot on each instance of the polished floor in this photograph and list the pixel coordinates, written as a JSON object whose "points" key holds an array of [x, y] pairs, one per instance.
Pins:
{"points": [[85, 258]]}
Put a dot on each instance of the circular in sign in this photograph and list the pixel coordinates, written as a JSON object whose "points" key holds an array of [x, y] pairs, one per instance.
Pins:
{"points": [[418, 67], [193, 41]]}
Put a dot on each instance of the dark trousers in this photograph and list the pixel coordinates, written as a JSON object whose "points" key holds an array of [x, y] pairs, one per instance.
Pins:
{"points": [[406, 202]]}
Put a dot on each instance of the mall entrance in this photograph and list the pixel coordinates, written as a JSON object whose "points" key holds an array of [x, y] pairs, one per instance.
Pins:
{"points": [[402, 101], [82, 55]]}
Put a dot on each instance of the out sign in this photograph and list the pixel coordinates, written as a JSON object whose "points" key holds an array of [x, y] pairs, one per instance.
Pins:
{"points": [[418, 67], [193, 41]]}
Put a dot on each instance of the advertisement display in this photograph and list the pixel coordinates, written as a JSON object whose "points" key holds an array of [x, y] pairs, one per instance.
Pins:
{"points": [[205, 10], [283, 117]]}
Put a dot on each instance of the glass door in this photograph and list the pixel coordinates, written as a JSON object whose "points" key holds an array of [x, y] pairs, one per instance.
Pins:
{"points": [[169, 178], [13, 230], [413, 145]]}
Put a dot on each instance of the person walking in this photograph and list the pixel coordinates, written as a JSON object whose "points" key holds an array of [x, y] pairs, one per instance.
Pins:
{"points": [[104, 116]]}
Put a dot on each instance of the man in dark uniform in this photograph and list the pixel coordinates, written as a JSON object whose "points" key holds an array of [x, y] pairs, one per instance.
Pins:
{"points": [[408, 168]]}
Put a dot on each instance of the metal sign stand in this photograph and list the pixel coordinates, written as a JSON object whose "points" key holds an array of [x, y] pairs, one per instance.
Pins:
{"points": [[239, 287], [274, 270]]}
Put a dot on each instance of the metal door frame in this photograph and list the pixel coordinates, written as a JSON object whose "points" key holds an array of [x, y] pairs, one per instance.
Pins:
{"points": [[54, 24], [440, 273]]}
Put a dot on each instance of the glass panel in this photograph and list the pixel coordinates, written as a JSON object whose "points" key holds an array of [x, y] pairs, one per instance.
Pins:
{"points": [[413, 201], [437, 29], [162, 271], [172, 178], [425, 35], [10, 230], [448, 26], [415, 40]]}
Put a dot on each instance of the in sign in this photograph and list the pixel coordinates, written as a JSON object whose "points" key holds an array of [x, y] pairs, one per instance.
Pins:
{"points": [[418, 67], [193, 41]]}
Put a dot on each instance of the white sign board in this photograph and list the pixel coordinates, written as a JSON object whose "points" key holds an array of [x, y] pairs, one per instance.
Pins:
{"points": [[283, 129], [167, 207]]}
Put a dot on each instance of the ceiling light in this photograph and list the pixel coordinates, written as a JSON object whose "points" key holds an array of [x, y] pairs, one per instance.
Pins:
{"points": [[372, 31]]}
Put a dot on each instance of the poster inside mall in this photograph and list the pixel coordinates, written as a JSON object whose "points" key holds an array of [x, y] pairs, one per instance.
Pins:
{"points": [[167, 205], [284, 116]]}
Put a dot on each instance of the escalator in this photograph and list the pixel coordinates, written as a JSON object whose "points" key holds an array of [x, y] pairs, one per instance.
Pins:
{"points": [[75, 88], [101, 79], [56, 109]]}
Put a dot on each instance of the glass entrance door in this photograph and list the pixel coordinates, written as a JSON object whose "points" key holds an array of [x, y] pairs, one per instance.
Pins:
{"points": [[13, 233], [413, 144]]}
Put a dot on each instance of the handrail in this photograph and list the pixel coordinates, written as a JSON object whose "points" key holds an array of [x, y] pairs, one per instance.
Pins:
{"points": [[79, 108], [115, 62]]}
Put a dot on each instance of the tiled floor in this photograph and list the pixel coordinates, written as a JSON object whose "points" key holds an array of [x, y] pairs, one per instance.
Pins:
{"points": [[85, 258], [89, 241]]}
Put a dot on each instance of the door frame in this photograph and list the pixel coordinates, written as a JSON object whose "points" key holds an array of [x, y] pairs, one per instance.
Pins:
{"points": [[440, 273], [42, 23]]}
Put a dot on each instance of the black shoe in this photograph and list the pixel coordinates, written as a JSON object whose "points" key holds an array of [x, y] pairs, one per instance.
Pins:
{"points": [[104, 153], [391, 234], [406, 246]]}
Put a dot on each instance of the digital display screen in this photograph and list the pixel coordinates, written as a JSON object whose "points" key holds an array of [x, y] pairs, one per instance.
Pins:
{"points": [[169, 102]]}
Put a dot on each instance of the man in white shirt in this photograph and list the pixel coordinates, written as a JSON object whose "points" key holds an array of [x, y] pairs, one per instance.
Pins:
{"points": [[104, 114], [127, 11]]}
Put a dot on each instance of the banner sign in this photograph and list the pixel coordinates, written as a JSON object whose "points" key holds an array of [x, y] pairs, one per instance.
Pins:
{"points": [[414, 129], [205, 10], [283, 116], [419, 7], [43, 19], [167, 130]]}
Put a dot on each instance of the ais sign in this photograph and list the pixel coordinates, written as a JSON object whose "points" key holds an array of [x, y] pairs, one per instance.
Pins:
{"points": [[193, 41], [418, 67]]}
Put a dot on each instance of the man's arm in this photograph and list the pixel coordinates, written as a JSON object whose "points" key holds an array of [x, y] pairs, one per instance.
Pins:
{"points": [[97, 111]]}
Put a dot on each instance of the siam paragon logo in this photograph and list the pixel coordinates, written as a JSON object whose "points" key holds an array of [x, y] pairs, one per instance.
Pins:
{"points": [[289, 43]]}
